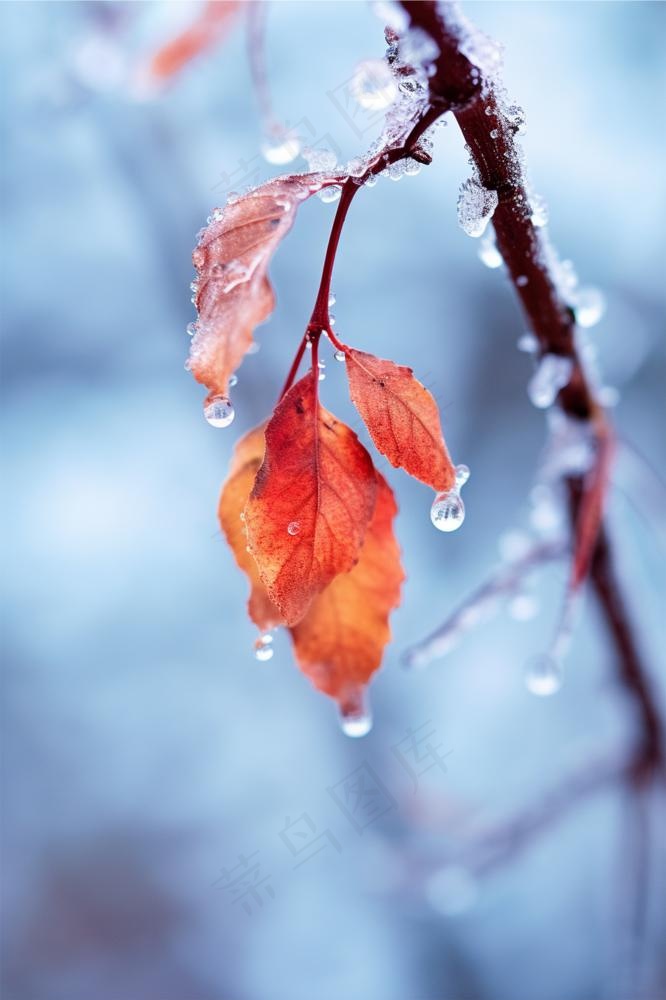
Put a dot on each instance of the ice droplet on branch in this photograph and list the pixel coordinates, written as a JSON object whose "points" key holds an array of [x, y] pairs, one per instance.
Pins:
{"points": [[448, 510], [551, 374], [476, 205], [589, 306], [373, 85], [219, 411], [329, 194], [488, 252]]}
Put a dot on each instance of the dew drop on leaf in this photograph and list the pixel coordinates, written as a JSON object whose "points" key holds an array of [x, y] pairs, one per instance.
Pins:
{"points": [[293, 527], [543, 676], [263, 648], [219, 411], [339, 355], [355, 714], [191, 329]]}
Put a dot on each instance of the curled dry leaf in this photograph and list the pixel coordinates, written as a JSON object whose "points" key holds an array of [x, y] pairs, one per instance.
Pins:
{"points": [[233, 292], [247, 458], [212, 23], [311, 503], [401, 416], [340, 642]]}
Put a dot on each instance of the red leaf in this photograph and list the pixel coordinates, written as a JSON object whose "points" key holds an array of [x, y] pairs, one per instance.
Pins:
{"points": [[247, 458], [312, 501], [402, 418], [340, 642], [207, 30], [232, 256]]}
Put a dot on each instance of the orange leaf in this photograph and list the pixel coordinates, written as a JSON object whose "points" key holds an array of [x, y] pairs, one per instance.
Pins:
{"points": [[311, 503], [402, 418], [340, 642], [247, 458], [233, 293], [207, 30]]}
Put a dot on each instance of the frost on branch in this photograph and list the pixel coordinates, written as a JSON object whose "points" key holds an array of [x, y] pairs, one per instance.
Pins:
{"points": [[340, 642], [232, 292], [311, 503], [402, 418]]}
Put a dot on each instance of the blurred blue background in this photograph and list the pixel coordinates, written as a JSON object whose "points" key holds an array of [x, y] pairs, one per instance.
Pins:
{"points": [[146, 752]]}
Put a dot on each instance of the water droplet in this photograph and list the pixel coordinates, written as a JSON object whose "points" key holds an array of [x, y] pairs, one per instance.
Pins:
{"points": [[373, 85], [476, 205], [330, 193], [552, 374], [589, 306], [543, 676], [355, 714], [281, 149], [452, 890], [218, 411], [254, 348], [331, 299], [488, 252], [233, 380], [321, 366], [494, 133], [331, 320], [263, 648], [191, 329], [522, 280], [339, 355], [371, 180], [448, 510], [294, 527], [194, 287]]}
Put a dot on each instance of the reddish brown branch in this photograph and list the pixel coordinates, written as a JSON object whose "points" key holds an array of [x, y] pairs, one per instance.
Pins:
{"points": [[491, 137]]}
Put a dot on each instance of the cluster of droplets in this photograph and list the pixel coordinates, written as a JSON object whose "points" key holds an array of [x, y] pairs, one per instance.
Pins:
{"points": [[476, 205], [448, 510]]}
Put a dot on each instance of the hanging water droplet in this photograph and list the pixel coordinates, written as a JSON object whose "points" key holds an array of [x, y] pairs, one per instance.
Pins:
{"points": [[355, 715], [331, 299], [552, 373], [281, 149], [254, 347], [488, 252], [339, 355], [589, 306], [218, 411], [476, 205], [330, 193], [373, 85], [448, 510], [194, 287], [263, 647], [191, 329], [543, 676], [331, 320], [321, 366], [293, 527], [233, 380]]}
